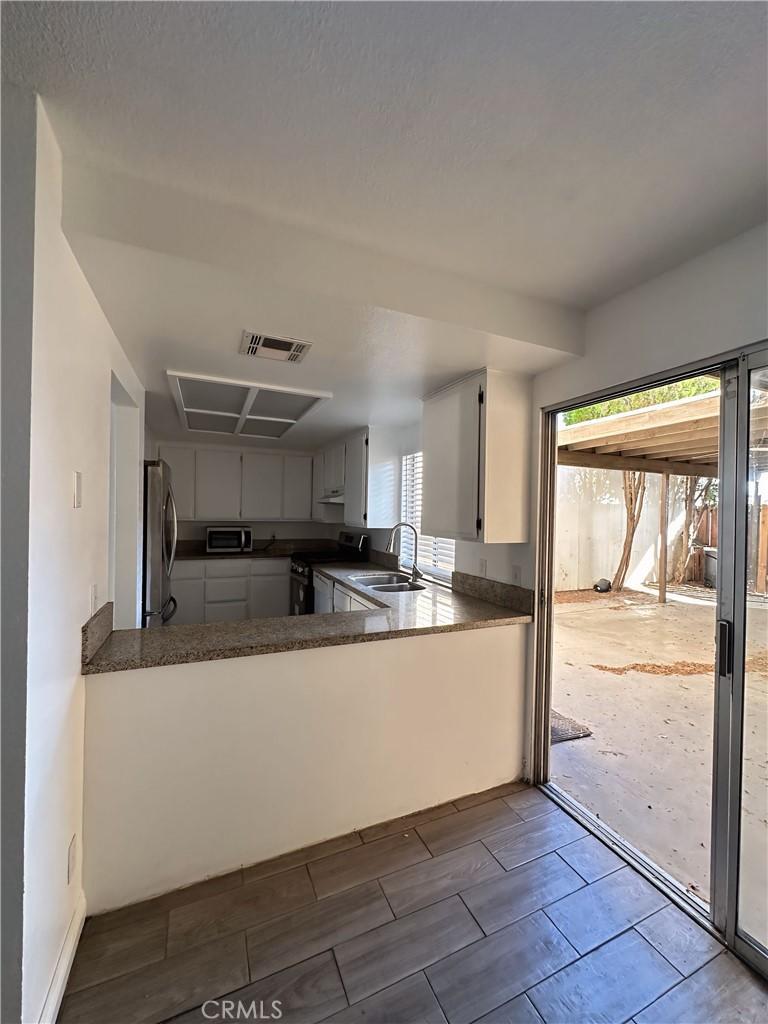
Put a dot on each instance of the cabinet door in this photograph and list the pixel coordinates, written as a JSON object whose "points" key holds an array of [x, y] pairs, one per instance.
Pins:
{"points": [[356, 480], [323, 602], [217, 485], [451, 428], [270, 596], [334, 470], [226, 611], [297, 487], [318, 484], [341, 599], [182, 463], [262, 486], [190, 604]]}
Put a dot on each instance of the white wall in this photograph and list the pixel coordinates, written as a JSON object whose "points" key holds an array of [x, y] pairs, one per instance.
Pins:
{"points": [[709, 305], [590, 525], [74, 355], [251, 757]]}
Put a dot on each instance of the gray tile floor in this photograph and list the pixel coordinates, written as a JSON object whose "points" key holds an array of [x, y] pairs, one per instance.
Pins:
{"points": [[497, 908]]}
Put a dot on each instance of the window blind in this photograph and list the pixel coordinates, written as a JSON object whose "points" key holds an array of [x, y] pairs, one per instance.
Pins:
{"points": [[436, 554]]}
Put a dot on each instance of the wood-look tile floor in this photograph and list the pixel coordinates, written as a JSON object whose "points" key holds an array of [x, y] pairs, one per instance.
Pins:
{"points": [[496, 908]]}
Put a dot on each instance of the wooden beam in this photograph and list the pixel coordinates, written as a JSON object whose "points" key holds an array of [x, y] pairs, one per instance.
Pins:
{"points": [[663, 537], [591, 461], [703, 427], [680, 412]]}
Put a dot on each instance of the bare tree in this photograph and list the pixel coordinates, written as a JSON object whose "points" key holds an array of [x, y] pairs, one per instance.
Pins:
{"points": [[634, 493], [698, 494]]}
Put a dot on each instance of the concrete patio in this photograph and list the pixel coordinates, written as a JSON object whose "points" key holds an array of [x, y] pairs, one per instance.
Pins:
{"points": [[646, 770]]}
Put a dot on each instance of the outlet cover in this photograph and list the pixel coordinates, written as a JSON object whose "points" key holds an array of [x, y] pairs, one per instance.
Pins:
{"points": [[72, 858], [483, 566]]}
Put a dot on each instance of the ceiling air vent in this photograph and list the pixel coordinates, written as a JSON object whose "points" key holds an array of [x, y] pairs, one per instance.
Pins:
{"points": [[286, 350]]}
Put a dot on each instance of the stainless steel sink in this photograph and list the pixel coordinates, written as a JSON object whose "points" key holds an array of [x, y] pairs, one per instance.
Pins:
{"points": [[396, 588], [377, 578]]}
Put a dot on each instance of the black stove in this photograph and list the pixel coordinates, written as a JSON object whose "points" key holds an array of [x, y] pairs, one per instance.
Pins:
{"points": [[349, 548]]}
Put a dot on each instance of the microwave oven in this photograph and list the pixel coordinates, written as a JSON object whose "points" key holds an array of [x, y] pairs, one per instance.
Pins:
{"points": [[222, 539]]}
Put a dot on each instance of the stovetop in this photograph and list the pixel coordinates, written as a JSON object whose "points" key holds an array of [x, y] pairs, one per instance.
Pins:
{"points": [[349, 549]]}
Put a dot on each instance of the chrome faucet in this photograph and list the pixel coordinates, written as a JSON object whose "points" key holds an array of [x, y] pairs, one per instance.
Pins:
{"points": [[416, 573]]}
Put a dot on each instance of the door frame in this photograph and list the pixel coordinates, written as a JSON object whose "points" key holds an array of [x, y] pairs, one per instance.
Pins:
{"points": [[733, 697], [717, 916]]}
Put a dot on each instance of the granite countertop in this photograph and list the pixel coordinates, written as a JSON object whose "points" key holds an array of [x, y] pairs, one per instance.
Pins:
{"points": [[436, 609]]}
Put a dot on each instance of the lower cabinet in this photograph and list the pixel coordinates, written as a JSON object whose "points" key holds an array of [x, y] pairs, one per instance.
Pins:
{"points": [[226, 611], [344, 601], [190, 601], [323, 594], [230, 589]]}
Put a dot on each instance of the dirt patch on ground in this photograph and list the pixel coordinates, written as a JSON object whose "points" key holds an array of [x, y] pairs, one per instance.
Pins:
{"points": [[652, 668], [758, 663]]}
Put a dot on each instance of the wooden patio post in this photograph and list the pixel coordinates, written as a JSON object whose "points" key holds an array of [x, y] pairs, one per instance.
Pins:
{"points": [[663, 536]]}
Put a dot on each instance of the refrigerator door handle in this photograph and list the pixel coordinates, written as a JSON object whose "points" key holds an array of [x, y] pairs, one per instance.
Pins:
{"points": [[172, 558]]}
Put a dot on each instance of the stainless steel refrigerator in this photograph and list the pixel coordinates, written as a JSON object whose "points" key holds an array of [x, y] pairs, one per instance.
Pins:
{"points": [[161, 531]]}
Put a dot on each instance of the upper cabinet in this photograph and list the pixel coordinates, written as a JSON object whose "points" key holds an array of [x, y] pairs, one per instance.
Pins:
{"points": [[218, 481], [333, 470], [263, 481], [182, 463], [476, 444], [356, 479], [297, 487], [323, 511], [372, 484], [220, 485]]}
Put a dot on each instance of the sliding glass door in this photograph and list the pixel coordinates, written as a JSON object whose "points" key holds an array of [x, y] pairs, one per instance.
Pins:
{"points": [[746, 902], [735, 553]]}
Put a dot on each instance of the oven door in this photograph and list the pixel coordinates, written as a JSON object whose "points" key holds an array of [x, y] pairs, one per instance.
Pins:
{"points": [[301, 596]]}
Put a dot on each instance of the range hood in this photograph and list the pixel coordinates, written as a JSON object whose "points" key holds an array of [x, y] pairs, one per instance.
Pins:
{"points": [[331, 499]]}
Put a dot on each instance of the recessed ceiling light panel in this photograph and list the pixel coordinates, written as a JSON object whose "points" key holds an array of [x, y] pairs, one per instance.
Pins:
{"points": [[217, 405]]}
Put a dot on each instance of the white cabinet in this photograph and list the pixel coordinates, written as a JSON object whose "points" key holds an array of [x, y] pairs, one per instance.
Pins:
{"points": [[218, 476], [356, 479], [373, 478], [190, 601], [323, 594], [341, 599], [226, 611], [270, 588], [333, 470], [263, 481], [182, 463], [230, 589], [476, 444], [297, 487]]}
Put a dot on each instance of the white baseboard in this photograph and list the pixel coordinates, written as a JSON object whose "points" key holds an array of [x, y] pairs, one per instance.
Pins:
{"points": [[55, 994]]}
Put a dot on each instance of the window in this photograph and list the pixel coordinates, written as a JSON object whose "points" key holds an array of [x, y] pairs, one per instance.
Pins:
{"points": [[436, 554]]}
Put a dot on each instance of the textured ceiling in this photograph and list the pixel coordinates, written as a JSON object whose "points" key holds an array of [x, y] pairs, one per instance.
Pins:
{"points": [[567, 151]]}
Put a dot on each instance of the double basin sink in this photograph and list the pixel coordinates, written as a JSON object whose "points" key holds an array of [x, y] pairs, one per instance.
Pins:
{"points": [[389, 582]]}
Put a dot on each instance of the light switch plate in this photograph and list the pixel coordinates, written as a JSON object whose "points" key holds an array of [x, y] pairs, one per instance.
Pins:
{"points": [[77, 489], [483, 566]]}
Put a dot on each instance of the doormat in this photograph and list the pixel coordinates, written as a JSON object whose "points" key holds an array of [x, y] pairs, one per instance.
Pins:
{"points": [[566, 728]]}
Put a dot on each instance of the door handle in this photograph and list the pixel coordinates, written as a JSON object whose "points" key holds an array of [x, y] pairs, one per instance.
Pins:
{"points": [[724, 648]]}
